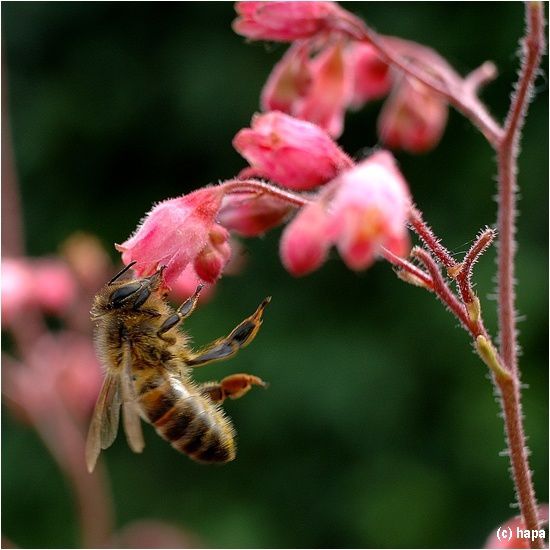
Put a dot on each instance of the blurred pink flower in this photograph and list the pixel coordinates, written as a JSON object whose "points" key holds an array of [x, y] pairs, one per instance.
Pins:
{"points": [[58, 366], [291, 152], [329, 92], [413, 118], [178, 232], [362, 210], [17, 287], [287, 21], [54, 285], [511, 534], [44, 283], [289, 81], [315, 89], [371, 77], [252, 214]]}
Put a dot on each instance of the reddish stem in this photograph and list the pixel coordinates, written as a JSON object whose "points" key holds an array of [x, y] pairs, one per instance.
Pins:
{"points": [[442, 291], [257, 186], [405, 265], [507, 154], [464, 277], [425, 232]]}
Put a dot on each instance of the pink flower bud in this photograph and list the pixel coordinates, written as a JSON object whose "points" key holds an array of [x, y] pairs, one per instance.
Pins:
{"points": [[252, 214], [286, 21], [371, 76], [291, 152], [174, 233], [370, 210], [329, 92], [209, 263], [413, 118], [306, 240], [289, 81]]}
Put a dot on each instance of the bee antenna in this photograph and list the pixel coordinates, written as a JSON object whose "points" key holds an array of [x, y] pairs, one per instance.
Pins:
{"points": [[121, 272]]}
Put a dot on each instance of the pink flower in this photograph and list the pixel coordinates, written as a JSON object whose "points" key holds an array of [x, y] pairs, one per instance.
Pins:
{"points": [[291, 152], [315, 89], [61, 366], [511, 534], [251, 214], [287, 21], [370, 210], [371, 76], [177, 232], [413, 118], [54, 285], [329, 92], [306, 241], [17, 287], [364, 209], [45, 283], [289, 81]]}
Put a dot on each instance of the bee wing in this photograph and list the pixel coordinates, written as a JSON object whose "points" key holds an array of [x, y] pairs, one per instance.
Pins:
{"points": [[130, 412], [105, 418]]}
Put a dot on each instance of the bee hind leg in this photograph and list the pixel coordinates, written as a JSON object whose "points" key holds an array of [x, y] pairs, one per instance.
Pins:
{"points": [[181, 313], [233, 386], [227, 347]]}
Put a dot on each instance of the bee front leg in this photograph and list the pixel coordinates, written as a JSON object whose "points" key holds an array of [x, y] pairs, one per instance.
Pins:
{"points": [[233, 386], [223, 348], [181, 313]]}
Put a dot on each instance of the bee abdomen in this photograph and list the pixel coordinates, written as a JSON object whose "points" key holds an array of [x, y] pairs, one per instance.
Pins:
{"points": [[192, 424]]}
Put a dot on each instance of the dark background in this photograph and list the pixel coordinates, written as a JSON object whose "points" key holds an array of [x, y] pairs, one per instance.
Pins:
{"points": [[380, 427]]}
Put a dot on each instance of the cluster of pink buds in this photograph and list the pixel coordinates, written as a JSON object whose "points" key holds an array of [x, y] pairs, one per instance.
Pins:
{"points": [[328, 69], [359, 208]]}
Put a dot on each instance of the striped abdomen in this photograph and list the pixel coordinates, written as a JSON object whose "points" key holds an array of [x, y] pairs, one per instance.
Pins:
{"points": [[190, 421]]}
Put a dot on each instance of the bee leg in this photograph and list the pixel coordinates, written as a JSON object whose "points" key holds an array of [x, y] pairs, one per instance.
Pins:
{"points": [[223, 348], [233, 386], [181, 313]]}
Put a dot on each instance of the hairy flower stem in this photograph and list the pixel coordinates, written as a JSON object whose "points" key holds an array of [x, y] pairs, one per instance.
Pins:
{"points": [[261, 187], [505, 141], [507, 154]]}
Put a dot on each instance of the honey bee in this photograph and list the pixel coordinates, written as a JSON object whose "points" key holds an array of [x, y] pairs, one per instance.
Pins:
{"points": [[148, 363]]}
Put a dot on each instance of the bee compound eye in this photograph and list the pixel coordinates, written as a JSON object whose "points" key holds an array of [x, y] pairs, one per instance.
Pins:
{"points": [[120, 295]]}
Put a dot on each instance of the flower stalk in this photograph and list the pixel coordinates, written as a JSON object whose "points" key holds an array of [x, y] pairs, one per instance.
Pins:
{"points": [[507, 154]]}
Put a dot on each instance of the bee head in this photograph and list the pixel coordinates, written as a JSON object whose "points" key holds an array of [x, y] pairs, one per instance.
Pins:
{"points": [[129, 295]]}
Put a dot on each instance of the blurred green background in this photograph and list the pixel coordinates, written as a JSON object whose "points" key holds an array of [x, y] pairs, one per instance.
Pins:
{"points": [[380, 427]]}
